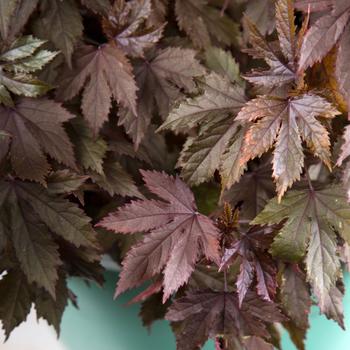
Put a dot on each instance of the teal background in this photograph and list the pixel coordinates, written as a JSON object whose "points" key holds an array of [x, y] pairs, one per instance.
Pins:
{"points": [[102, 323]]}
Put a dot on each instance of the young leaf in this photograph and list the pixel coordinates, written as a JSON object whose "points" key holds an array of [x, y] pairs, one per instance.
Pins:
{"points": [[250, 249], [110, 75], [286, 119], [289, 121], [178, 236]]}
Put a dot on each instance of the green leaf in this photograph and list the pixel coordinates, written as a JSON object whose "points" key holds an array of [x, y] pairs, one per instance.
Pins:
{"points": [[89, 151], [312, 219], [231, 169], [223, 63], [115, 180], [200, 160], [21, 58], [64, 181], [220, 98], [22, 48]]}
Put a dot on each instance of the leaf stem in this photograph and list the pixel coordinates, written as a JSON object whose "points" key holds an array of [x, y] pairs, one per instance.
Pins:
{"points": [[309, 180], [225, 281]]}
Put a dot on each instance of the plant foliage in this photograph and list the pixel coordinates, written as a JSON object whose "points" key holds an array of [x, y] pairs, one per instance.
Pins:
{"points": [[203, 144]]}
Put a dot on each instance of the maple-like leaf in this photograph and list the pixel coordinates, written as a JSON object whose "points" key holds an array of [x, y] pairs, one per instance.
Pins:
{"points": [[17, 62], [61, 216], [253, 191], [220, 97], [334, 305], [222, 62], [285, 123], [312, 218], [98, 6], [215, 110], [52, 309], [17, 300], [160, 78], [251, 250], [283, 120], [313, 5], [324, 34], [29, 217], [329, 30], [261, 12], [203, 23], [7, 9], [61, 23], [102, 72], [126, 24], [35, 126], [64, 181], [205, 314], [152, 309], [295, 296], [21, 10], [115, 180], [341, 73], [201, 156], [89, 151], [178, 234], [257, 343], [33, 244]]}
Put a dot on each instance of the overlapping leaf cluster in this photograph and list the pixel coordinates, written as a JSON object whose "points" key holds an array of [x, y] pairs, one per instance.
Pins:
{"points": [[240, 218]]}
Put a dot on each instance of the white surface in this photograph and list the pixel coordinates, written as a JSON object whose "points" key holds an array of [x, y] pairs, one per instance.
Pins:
{"points": [[32, 335]]}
